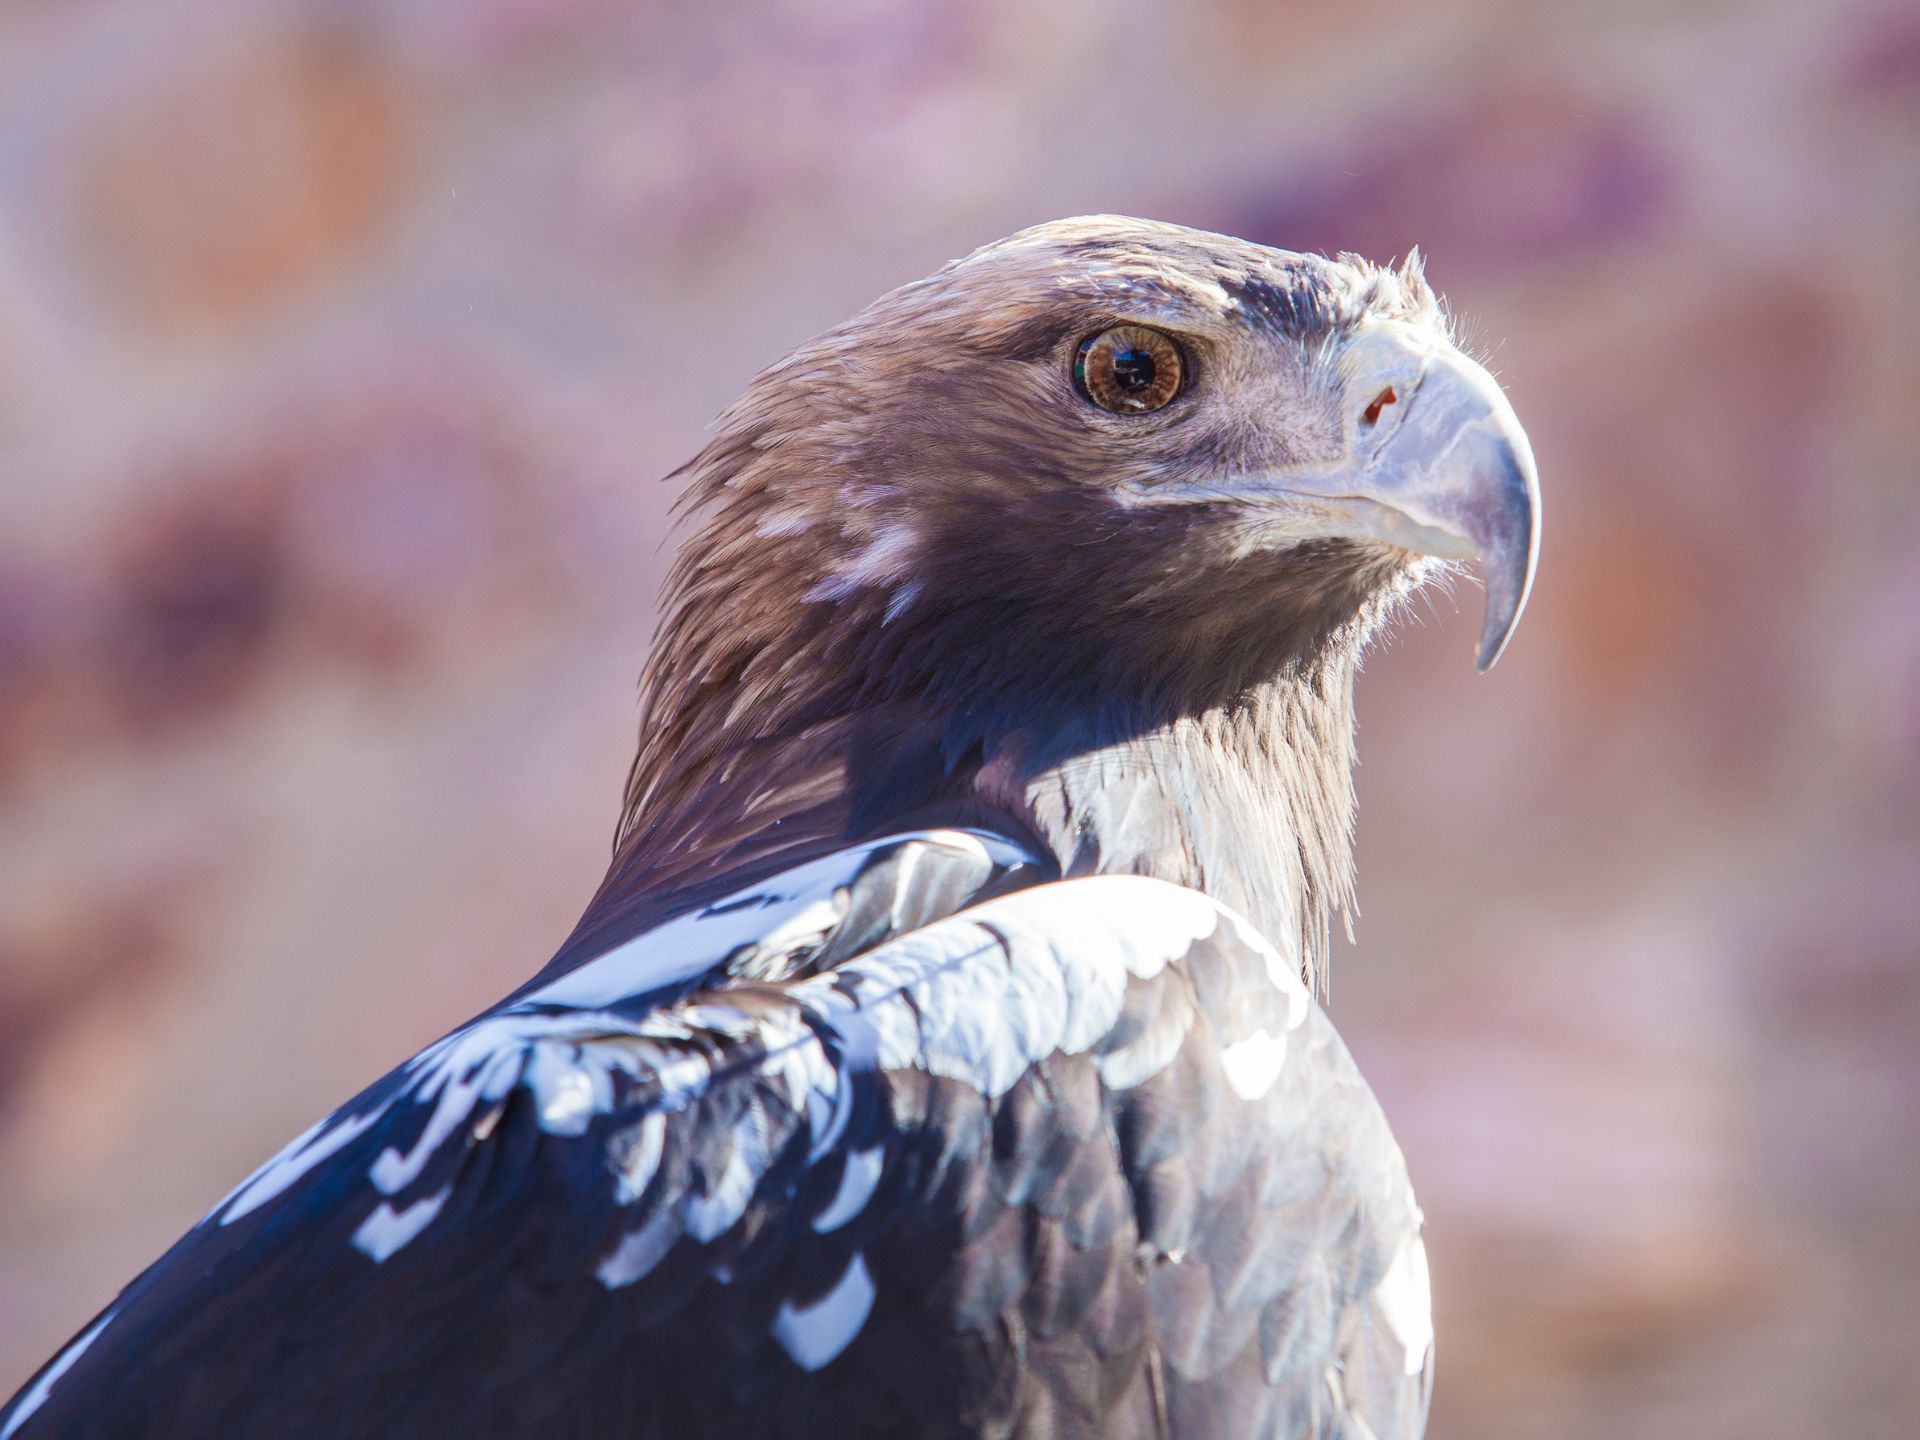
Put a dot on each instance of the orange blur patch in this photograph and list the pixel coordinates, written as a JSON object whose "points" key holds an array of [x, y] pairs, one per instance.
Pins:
{"points": [[241, 183]]}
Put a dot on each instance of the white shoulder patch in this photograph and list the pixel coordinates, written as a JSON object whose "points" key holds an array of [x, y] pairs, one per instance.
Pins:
{"points": [[982, 995], [37, 1393], [1253, 1064], [318, 1142], [815, 1335], [387, 1229], [1404, 1299], [858, 1179], [788, 912]]}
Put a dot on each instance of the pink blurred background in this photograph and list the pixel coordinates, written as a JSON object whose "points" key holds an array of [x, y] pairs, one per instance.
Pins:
{"points": [[341, 345]]}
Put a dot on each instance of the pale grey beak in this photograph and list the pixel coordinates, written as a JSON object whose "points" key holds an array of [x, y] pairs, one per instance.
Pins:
{"points": [[1434, 462], [1439, 465], [1459, 462]]}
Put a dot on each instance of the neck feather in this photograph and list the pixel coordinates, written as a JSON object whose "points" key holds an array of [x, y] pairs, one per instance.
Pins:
{"points": [[1250, 802]]}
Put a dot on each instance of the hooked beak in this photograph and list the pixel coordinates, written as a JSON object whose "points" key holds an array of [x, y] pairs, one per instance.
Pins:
{"points": [[1441, 468]]}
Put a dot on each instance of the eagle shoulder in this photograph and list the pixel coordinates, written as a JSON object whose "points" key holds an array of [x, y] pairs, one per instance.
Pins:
{"points": [[1082, 1156]]}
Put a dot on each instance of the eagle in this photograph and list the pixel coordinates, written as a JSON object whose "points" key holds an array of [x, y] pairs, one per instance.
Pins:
{"points": [[941, 1055]]}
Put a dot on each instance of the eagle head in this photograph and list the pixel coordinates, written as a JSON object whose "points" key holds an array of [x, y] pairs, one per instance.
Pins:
{"points": [[1117, 454], [1100, 478]]}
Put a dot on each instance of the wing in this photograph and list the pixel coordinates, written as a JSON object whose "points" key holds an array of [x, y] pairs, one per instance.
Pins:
{"points": [[1080, 1159]]}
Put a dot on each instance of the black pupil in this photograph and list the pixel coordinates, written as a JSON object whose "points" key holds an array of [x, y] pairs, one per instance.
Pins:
{"points": [[1132, 369]]}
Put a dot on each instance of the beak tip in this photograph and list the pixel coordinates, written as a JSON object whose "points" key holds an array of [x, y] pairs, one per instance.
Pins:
{"points": [[1509, 579], [1508, 536], [1493, 645]]}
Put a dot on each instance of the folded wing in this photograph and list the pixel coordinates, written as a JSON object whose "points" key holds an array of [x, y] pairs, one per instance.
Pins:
{"points": [[1082, 1157]]}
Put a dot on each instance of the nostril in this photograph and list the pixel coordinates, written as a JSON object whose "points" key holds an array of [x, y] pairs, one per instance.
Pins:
{"points": [[1371, 416]]}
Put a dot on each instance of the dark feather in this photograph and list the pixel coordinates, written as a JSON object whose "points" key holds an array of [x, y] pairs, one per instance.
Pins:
{"points": [[767, 1220]]}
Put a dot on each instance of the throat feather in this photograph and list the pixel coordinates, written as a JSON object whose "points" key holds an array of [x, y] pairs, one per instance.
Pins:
{"points": [[1250, 803]]}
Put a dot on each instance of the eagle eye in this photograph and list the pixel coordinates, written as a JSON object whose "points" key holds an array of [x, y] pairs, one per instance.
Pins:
{"points": [[1129, 369]]}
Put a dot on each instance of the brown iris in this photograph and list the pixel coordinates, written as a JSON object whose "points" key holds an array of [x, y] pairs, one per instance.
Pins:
{"points": [[1129, 369]]}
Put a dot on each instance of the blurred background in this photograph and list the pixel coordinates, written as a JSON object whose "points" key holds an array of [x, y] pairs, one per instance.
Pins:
{"points": [[342, 346]]}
